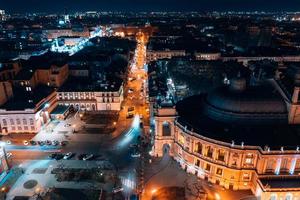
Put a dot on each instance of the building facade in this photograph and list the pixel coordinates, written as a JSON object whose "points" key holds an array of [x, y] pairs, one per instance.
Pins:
{"points": [[152, 55], [234, 166], [27, 118], [87, 100]]}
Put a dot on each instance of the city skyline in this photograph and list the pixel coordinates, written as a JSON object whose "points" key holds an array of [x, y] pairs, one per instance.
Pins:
{"points": [[14, 6]]}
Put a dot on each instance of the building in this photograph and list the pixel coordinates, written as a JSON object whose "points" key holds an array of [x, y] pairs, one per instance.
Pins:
{"points": [[2, 15], [87, 95], [237, 136], [52, 74], [153, 55], [27, 111], [67, 32], [207, 56]]}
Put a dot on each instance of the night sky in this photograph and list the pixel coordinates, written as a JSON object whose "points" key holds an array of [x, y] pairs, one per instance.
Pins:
{"points": [[22, 6]]}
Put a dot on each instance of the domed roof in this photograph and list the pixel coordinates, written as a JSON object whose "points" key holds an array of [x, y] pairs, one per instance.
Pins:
{"points": [[238, 102]]}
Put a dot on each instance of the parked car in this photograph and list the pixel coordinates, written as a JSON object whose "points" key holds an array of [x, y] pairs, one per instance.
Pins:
{"points": [[135, 154], [41, 143], [63, 143], [48, 142], [33, 142], [52, 156], [117, 189], [8, 155], [80, 156], [25, 142], [68, 156], [88, 157], [59, 156], [8, 142], [55, 143]]}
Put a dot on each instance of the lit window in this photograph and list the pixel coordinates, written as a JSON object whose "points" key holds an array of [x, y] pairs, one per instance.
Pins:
{"points": [[219, 171], [181, 139], [207, 167], [246, 176]]}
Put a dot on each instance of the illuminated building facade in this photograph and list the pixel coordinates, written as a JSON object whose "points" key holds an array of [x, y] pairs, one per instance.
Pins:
{"points": [[237, 136], [152, 55], [91, 97], [28, 111]]}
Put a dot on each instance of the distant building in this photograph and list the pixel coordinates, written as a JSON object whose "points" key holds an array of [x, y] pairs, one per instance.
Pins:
{"points": [[2, 15], [207, 56], [153, 55]]}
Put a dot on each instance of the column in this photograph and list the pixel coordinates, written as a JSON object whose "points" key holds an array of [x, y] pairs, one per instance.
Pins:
{"points": [[278, 164], [292, 165]]}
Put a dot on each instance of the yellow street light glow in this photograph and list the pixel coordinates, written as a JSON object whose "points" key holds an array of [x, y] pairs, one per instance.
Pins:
{"points": [[154, 191], [217, 196]]}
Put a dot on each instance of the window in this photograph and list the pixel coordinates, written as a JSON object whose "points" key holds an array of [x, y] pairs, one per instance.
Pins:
{"points": [[166, 129], [181, 139], [219, 171], [13, 128], [32, 128], [209, 151], [249, 159], [221, 155], [18, 121], [198, 148], [207, 167], [31, 121], [4, 122], [26, 128], [12, 122], [19, 128], [197, 163], [246, 176], [24, 121]]}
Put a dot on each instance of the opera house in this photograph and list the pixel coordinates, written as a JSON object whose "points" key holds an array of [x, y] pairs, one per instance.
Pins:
{"points": [[239, 136]]}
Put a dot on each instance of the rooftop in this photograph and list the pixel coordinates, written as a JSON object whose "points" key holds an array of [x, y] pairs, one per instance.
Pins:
{"points": [[274, 135], [27, 100]]}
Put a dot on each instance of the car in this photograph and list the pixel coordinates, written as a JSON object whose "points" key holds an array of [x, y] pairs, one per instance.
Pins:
{"points": [[48, 142], [68, 156], [55, 143], [136, 154], [8, 155], [141, 124], [25, 142], [118, 189], [59, 156], [33, 142], [67, 125], [41, 143], [88, 157], [8, 142], [63, 143], [81, 156], [129, 115], [52, 156]]}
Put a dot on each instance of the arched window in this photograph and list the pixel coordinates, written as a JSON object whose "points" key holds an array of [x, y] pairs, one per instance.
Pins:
{"points": [[198, 148], [166, 129]]}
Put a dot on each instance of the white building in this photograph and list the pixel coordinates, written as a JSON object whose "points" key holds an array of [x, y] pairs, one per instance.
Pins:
{"points": [[91, 98], [27, 115]]}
